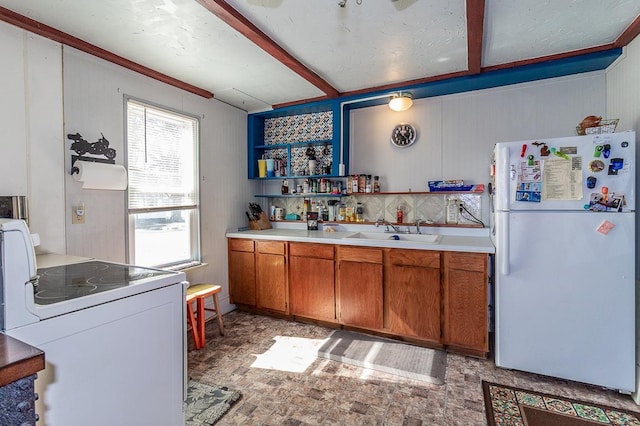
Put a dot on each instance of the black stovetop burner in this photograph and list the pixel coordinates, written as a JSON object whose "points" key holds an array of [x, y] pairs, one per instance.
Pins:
{"points": [[66, 282]]}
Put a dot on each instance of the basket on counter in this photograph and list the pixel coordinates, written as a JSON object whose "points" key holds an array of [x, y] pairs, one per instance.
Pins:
{"points": [[605, 126]]}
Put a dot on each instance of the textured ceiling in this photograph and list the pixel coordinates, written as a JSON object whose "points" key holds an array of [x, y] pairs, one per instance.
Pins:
{"points": [[257, 53]]}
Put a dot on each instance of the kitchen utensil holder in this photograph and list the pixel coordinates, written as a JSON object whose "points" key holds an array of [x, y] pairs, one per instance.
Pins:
{"points": [[262, 222]]}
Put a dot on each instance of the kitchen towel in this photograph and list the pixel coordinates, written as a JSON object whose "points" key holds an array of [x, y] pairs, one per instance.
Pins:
{"points": [[100, 175]]}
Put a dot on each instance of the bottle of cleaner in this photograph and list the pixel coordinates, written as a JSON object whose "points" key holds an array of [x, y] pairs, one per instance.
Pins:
{"points": [[453, 210]]}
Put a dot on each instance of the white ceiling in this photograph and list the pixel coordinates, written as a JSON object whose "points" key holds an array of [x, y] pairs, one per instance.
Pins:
{"points": [[373, 44]]}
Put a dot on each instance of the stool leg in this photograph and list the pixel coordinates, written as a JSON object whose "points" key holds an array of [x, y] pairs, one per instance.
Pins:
{"points": [[201, 320], [194, 328], [216, 301]]}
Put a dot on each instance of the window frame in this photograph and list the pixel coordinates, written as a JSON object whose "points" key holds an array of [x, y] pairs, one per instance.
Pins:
{"points": [[194, 218]]}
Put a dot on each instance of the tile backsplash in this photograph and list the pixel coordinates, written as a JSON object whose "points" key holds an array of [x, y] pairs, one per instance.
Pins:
{"points": [[429, 207]]}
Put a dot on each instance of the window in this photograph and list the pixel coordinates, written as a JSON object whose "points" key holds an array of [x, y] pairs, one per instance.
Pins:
{"points": [[163, 205]]}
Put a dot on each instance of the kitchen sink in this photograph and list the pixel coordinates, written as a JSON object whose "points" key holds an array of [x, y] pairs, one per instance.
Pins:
{"points": [[380, 236]]}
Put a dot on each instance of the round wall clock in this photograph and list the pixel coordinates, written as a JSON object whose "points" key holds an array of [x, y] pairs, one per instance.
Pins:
{"points": [[403, 135]]}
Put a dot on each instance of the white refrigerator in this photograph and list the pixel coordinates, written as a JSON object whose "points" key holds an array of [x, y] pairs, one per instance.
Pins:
{"points": [[564, 230]]}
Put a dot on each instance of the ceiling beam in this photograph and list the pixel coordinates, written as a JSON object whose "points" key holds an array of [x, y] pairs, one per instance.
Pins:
{"points": [[548, 58], [629, 34], [475, 31], [233, 18], [43, 30]]}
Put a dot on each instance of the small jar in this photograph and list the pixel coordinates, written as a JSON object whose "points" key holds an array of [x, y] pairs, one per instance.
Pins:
{"points": [[376, 184]]}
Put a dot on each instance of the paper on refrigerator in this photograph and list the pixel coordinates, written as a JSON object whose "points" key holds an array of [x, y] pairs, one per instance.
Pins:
{"points": [[562, 179]]}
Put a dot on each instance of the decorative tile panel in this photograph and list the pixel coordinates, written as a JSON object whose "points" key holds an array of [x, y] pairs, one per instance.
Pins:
{"points": [[315, 126]]}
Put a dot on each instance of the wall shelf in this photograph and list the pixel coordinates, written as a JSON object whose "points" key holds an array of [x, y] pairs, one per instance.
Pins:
{"points": [[367, 194], [305, 195], [287, 133]]}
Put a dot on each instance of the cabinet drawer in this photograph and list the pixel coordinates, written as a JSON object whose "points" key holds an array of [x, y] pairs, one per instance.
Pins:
{"points": [[422, 258], [360, 254], [466, 261], [271, 247], [319, 251], [239, 244]]}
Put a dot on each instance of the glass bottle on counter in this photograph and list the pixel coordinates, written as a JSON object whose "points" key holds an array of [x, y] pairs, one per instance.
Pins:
{"points": [[359, 213], [342, 212], [400, 214]]}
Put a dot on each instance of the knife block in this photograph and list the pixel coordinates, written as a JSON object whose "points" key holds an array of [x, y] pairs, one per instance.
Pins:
{"points": [[262, 223]]}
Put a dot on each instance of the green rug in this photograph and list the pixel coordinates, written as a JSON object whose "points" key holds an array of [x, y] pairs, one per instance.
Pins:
{"points": [[206, 404], [509, 406]]}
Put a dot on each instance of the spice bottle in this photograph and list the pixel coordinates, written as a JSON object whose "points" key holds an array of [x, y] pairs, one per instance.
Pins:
{"points": [[399, 214], [285, 187], [354, 183], [362, 183], [368, 184], [376, 184]]}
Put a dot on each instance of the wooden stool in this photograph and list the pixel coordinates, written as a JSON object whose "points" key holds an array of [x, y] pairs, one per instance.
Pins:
{"points": [[192, 320], [199, 292]]}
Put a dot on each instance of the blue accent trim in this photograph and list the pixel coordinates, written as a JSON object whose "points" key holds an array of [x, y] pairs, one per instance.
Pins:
{"points": [[504, 77]]}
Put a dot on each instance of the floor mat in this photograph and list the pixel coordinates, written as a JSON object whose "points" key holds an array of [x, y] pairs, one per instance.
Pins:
{"points": [[506, 405], [206, 404], [390, 356]]}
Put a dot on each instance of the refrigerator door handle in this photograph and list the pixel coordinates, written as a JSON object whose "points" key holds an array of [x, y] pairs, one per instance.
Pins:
{"points": [[503, 243], [503, 178]]}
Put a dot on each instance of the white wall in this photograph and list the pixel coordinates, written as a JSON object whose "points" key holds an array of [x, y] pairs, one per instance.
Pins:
{"points": [[94, 102], [623, 102], [37, 114], [456, 133], [31, 114]]}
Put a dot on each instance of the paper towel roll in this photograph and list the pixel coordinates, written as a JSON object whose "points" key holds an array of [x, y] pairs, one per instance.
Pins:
{"points": [[100, 175]]}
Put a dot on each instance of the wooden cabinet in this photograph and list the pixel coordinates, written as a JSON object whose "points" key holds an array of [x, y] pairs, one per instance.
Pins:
{"points": [[359, 286], [242, 272], [311, 280], [466, 301], [438, 298], [412, 294], [271, 275]]}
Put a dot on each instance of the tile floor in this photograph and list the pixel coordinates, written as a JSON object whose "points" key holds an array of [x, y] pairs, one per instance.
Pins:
{"points": [[256, 350]]}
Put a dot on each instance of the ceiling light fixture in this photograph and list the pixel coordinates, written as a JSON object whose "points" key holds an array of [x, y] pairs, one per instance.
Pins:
{"points": [[401, 102]]}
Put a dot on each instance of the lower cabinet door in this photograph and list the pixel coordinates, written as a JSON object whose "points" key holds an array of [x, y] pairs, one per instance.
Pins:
{"points": [[271, 282], [312, 288], [360, 294], [414, 301]]}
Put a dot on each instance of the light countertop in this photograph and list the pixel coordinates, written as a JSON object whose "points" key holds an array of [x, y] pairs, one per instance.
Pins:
{"points": [[478, 243]]}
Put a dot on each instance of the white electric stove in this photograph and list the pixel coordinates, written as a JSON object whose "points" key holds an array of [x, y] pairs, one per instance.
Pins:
{"points": [[113, 334]]}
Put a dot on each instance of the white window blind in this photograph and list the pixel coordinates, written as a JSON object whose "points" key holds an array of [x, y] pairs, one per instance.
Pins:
{"points": [[161, 158]]}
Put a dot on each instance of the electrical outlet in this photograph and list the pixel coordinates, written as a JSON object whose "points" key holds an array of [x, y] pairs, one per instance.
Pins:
{"points": [[78, 214]]}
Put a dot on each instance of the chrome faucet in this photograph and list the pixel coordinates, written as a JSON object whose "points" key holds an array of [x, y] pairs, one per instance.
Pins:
{"points": [[418, 222], [387, 225]]}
